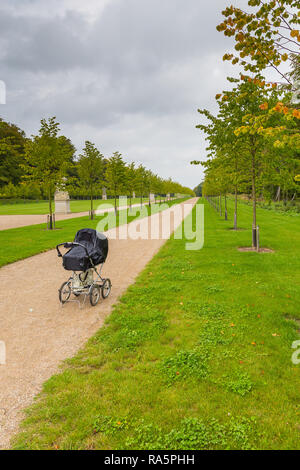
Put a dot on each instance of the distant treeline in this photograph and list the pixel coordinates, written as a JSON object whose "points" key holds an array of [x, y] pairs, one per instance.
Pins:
{"points": [[18, 179]]}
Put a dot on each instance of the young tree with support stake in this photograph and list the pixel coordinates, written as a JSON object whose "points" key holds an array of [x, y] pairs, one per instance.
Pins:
{"points": [[47, 157], [225, 147], [131, 180], [90, 170], [242, 113], [116, 176], [149, 184], [141, 177]]}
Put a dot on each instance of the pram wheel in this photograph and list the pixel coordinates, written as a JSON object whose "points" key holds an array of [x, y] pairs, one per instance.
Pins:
{"points": [[94, 294], [64, 292], [106, 288]]}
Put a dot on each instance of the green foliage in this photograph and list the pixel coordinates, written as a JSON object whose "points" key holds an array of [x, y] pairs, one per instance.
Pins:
{"points": [[198, 190], [266, 36], [34, 168], [244, 156], [131, 179], [90, 166], [47, 157], [12, 143], [115, 175], [90, 169]]}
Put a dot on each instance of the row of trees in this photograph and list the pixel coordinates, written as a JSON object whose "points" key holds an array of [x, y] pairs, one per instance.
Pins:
{"points": [[119, 178], [46, 162], [254, 140]]}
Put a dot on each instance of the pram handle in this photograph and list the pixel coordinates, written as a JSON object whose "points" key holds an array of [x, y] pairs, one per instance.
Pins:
{"points": [[69, 245]]}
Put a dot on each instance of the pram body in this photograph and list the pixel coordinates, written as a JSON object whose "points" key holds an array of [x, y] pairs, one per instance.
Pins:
{"points": [[88, 250], [91, 245]]}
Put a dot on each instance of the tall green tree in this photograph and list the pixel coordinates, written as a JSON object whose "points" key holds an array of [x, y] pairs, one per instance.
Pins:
{"points": [[141, 181], [244, 123], [47, 157], [12, 144], [90, 170], [116, 176], [131, 180]]}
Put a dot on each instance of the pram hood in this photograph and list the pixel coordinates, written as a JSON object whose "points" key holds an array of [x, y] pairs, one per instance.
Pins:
{"points": [[96, 243]]}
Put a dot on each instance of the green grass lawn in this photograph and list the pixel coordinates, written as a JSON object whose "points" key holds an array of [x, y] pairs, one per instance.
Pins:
{"points": [[196, 355], [22, 242], [290, 207], [42, 207]]}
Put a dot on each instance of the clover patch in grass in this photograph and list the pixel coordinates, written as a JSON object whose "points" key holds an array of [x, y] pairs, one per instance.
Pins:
{"points": [[184, 364], [215, 333], [238, 382], [194, 434]]}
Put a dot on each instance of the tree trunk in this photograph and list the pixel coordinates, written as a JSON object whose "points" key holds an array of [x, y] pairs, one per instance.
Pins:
{"points": [[235, 194], [226, 216], [50, 211], [220, 202], [254, 233], [91, 197], [235, 208]]}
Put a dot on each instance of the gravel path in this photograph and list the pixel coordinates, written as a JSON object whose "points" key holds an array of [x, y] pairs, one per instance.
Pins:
{"points": [[39, 333]]}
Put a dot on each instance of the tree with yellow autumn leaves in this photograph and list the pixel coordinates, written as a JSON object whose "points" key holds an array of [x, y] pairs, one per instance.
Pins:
{"points": [[255, 136]]}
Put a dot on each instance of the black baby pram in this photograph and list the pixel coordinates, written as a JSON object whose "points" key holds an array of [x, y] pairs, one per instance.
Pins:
{"points": [[88, 250]]}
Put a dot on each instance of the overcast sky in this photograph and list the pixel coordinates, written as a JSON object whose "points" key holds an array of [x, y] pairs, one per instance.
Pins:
{"points": [[129, 75]]}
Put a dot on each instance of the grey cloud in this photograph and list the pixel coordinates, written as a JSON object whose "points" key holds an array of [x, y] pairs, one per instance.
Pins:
{"points": [[129, 75]]}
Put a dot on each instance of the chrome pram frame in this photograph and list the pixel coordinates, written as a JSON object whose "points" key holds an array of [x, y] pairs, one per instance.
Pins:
{"points": [[88, 286]]}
